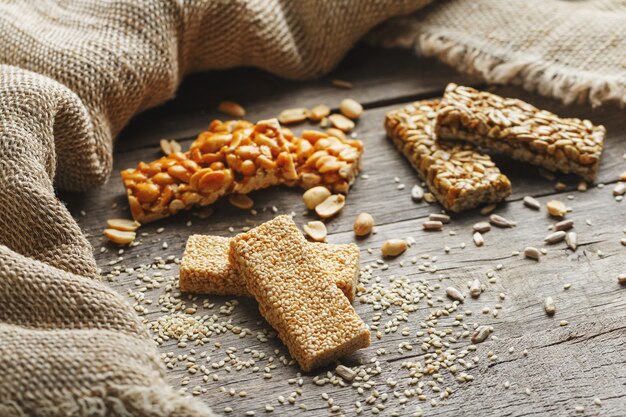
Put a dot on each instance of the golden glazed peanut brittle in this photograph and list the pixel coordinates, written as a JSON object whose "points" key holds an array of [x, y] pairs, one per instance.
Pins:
{"points": [[521, 131], [460, 177], [237, 157], [296, 294]]}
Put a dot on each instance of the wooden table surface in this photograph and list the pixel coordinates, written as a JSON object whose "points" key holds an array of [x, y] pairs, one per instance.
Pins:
{"points": [[565, 367]]}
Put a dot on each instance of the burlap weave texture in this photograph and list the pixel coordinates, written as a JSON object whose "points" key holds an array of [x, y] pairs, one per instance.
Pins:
{"points": [[73, 72]]}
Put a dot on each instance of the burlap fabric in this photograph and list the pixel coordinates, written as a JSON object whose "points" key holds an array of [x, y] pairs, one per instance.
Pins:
{"points": [[573, 50], [73, 72]]}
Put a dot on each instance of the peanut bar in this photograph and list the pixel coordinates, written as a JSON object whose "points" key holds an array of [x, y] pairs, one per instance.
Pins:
{"points": [[521, 131], [239, 157], [458, 176], [206, 268], [296, 294]]}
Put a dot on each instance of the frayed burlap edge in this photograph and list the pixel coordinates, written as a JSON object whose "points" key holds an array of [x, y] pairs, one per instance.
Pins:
{"points": [[533, 74]]}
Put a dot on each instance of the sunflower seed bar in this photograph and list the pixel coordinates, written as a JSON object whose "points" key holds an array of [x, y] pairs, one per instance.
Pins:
{"points": [[239, 157], [296, 295], [460, 177], [521, 131], [206, 268]]}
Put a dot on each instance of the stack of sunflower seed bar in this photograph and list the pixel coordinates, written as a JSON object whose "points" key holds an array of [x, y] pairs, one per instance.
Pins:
{"points": [[521, 131], [303, 289], [237, 157], [429, 133], [459, 177]]}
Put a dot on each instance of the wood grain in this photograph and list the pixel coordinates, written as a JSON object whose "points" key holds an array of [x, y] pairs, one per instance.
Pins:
{"points": [[565, 367]]}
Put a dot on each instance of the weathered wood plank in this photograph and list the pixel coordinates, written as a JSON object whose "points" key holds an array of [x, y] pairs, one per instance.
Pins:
{"points": [[565, 367], [379, 76]]}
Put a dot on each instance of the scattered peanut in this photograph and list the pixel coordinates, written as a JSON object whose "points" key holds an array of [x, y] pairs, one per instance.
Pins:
{"points": [[351, 108], [316, 230], [315, 196], [331, 206], [232, 109], [336, 133], [124, 225], [341, 122], [292, 116], [169, 146], [363, 224], [318, 112], [532, 253], [119, 236], [241, 201], [556, 208], [393, 247]]}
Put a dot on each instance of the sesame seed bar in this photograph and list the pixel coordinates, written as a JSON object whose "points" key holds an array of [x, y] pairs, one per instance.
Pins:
{"points": [[297, 295], [458, 176], [237, 157], [206, 267], [521, 131]]}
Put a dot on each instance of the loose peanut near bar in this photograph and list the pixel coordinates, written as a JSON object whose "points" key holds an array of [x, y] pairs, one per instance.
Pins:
{"points": [[460, 177], [297, 295], [521, 130], [239, 157], [207, 269]]}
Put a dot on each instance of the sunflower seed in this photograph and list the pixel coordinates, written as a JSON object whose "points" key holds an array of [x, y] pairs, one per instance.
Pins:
{"points": [[475, 289], [417, 193], [571, 239], [481, 334], [482, 227], [443, 218], [554, 237], [532, 253], [500, 221], [432, 225], [564, 225], [549, 306], [345, 372], [478, 239], [532, 203], [454, 294]]}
